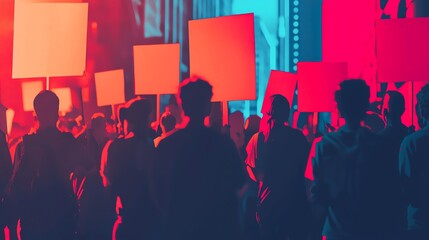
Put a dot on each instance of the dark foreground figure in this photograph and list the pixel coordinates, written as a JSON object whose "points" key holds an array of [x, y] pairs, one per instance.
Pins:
{"points": [[41, 194], [198, 175]]}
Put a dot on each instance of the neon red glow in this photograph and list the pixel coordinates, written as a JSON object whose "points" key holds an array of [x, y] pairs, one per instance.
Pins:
{"points": [[317, 83], [402, 49]]}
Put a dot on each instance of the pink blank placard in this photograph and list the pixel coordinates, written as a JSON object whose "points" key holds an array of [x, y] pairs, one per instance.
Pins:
{"points": [[317, 83], [402, 49], [29, 92], [282, 83], [222, 51], [64, 94], [110, 87], [157, 69], [49, 39]]}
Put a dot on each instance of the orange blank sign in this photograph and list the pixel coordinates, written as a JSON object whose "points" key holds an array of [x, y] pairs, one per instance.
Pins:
{"points": [[282, 83], [402, 49], [110, 87], [317, 83], [157, 69], [222, 51], [29, 92], [64, 94], [49, 39]]}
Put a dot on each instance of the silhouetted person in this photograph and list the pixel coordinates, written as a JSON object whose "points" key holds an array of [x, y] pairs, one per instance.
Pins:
{"points": [[276, 160], [96, 215], [41, 191], [350, 174], [198, 174], [392, 137], [127, 169], [5, 174], [168, 127], [414, 171]]}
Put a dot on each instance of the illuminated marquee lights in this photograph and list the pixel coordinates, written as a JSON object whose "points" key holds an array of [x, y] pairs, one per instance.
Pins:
{"points": [[295, 34]]}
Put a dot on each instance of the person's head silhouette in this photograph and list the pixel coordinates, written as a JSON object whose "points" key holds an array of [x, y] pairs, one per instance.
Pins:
{"points": [[168, 122], [353, 101], [195, 96], [138, 116], [279, 111], [46, 104], [423, 106], [395, 107]]}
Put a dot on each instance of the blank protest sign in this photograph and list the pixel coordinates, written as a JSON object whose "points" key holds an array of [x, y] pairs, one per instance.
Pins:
{"points": [[110, 87], [65, 97], [49, 39], [157, 69], [282, 83], [222, 51], [29, 92], [402, 49], [317, 83]]}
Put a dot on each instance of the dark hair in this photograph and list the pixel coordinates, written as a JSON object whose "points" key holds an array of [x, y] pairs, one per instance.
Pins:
{"points": [[396, 103], [46, 101], [168, 121], [195, 96], [280, 108], [138, 114], [423, 101], [353, 99]]}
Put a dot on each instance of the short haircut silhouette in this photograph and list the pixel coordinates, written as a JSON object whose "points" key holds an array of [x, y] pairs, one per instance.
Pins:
{"points": [[279, 109], [196, 95], [353, 99], [46, 104], [168, 121], [396, 103]]}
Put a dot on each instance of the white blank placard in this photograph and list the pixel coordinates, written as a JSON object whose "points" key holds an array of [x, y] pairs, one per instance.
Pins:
{"points": [[49, 39]]}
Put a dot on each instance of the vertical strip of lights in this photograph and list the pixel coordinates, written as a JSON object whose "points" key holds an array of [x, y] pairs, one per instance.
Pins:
{"points": [[294, 41], [295, 34]]}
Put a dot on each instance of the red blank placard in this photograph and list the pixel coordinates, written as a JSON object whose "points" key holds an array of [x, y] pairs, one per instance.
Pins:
{"points": [[222, 51], [317, 83], [157, 69], [110, 87], [402, 49], [282, 83], [29, 92], [49, 39]]}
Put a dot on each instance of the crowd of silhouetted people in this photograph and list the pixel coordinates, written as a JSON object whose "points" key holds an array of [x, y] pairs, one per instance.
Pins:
{"points": [[194, 180]]}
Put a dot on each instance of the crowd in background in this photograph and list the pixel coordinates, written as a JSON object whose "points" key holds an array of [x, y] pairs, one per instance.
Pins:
{"points": [[186, 177]]}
